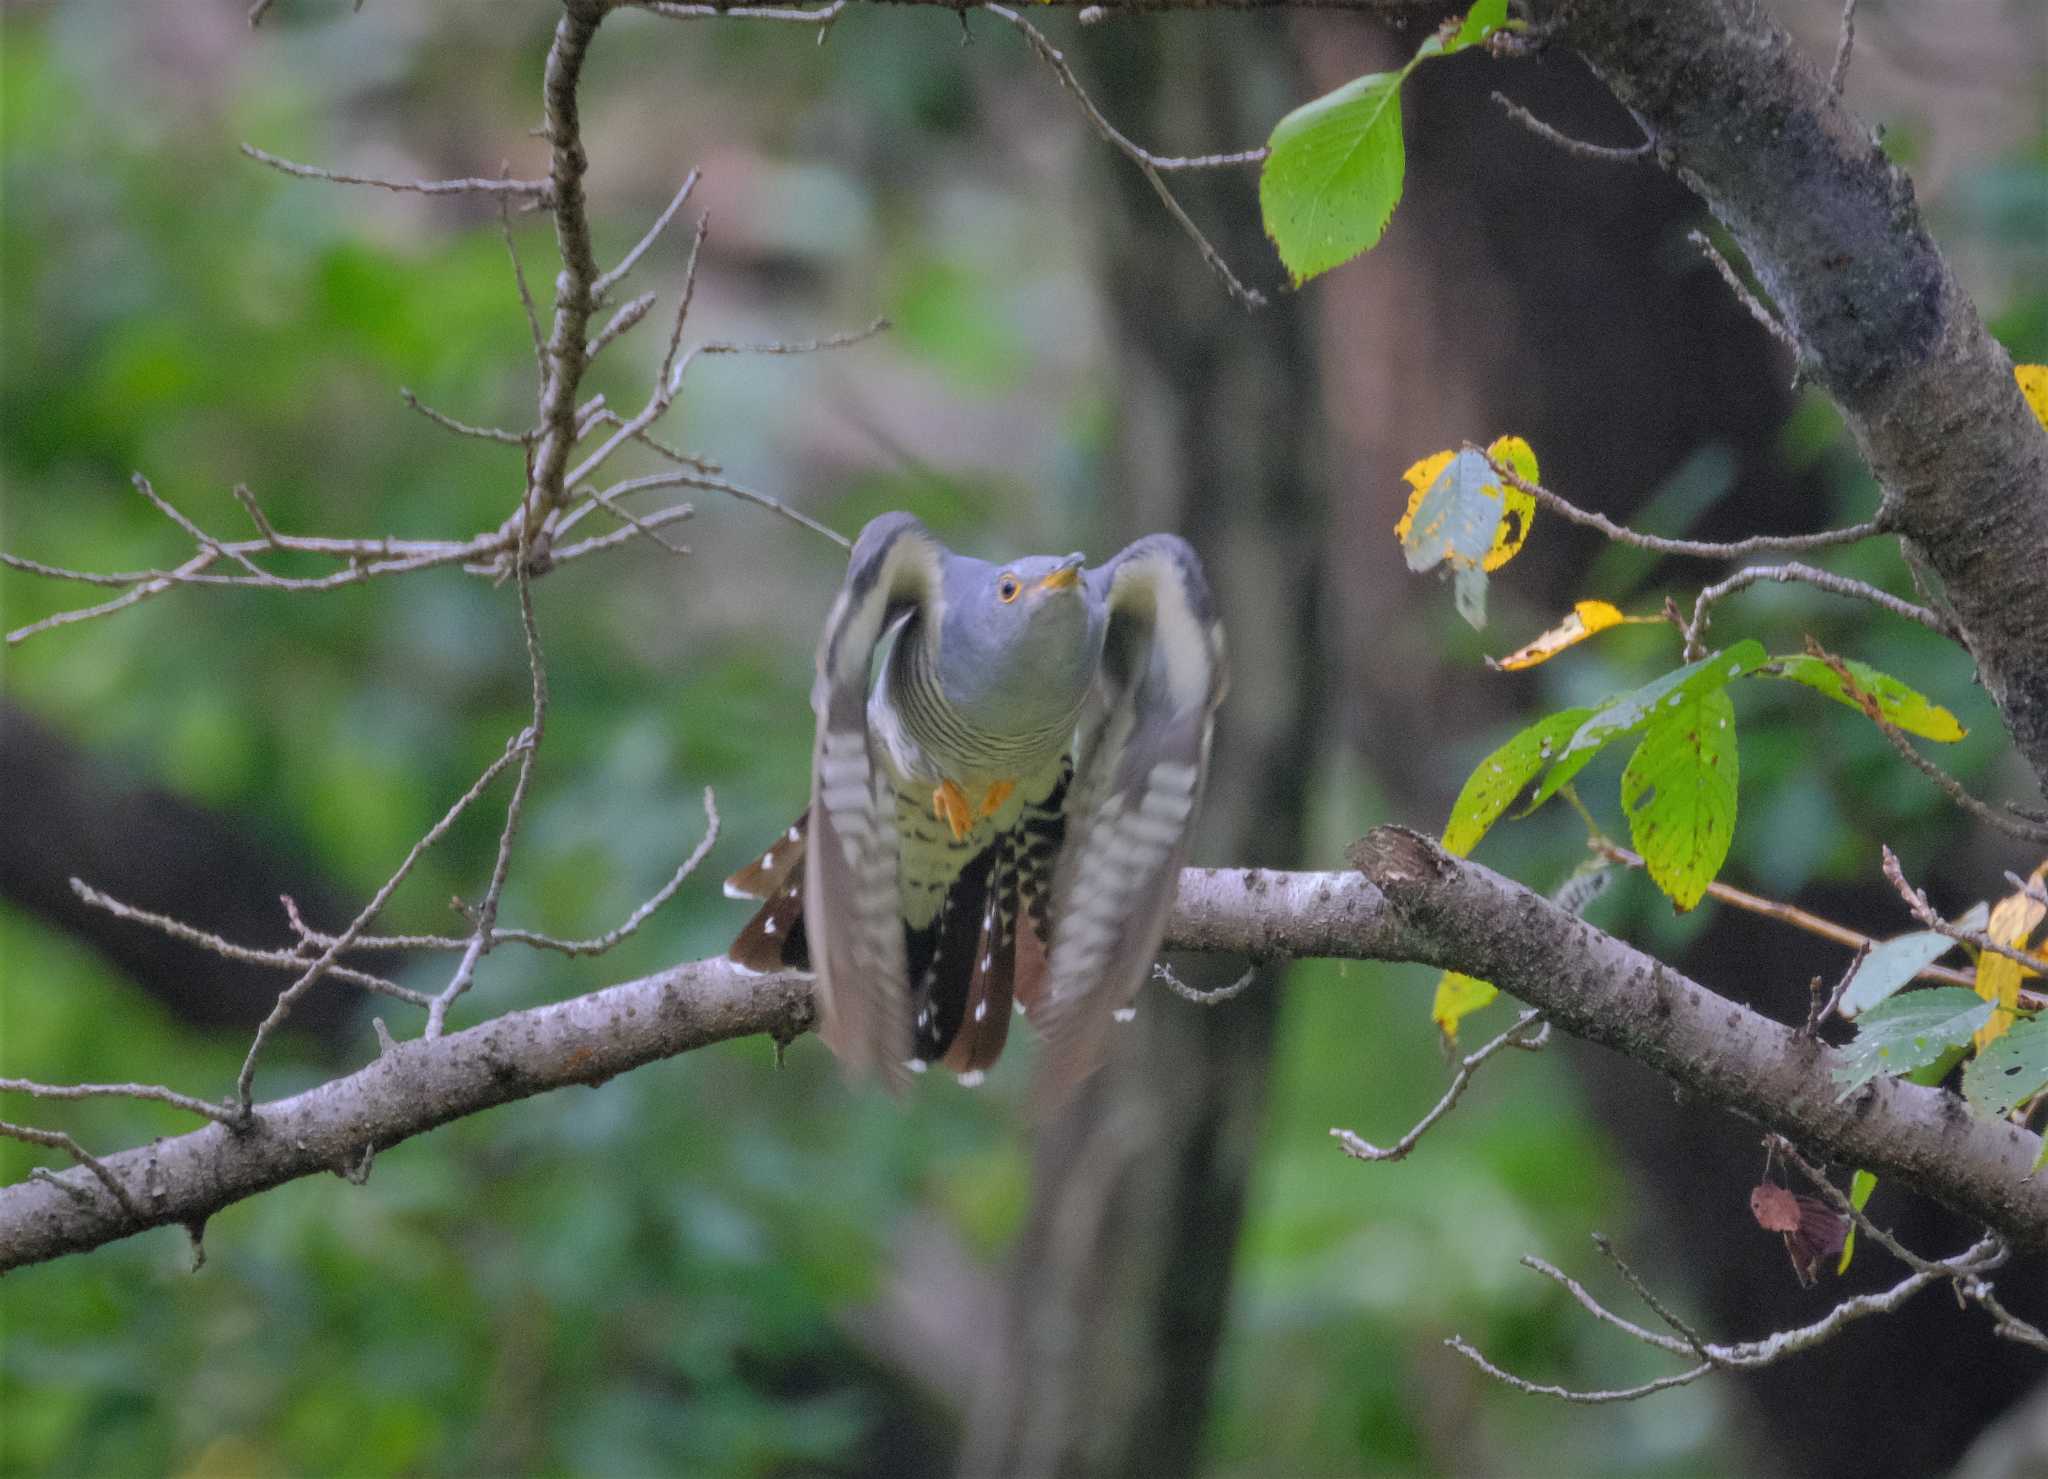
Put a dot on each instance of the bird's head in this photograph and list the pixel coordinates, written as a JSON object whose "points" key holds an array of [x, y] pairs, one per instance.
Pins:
{"points": [[1019, 641]]}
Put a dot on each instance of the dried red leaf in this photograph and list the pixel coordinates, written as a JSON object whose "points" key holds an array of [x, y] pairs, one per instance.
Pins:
{"points": [[1812, 1229], [1775, 1209]]}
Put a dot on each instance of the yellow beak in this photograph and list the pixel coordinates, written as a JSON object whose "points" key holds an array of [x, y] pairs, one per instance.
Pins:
{"points": [[1064, 578]]}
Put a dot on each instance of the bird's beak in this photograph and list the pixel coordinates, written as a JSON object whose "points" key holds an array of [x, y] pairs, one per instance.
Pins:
{"points": [[1065, 576]]}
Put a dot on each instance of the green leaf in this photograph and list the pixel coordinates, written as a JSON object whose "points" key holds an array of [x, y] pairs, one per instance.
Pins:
{"points": [[1906, 707], [1333, 175], [1679, 793], [2011, 1069], [1891, 965], [1910, 1031], [1499, 778], [1481, 21], [1626, 713], [1861, 1185]]}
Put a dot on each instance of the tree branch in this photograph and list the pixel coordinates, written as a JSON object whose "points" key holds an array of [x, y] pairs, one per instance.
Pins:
{"points": [[1415, 902]]}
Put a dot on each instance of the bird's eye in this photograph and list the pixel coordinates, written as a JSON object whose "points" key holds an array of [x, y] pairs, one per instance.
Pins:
{"points": [[1007, 588]]}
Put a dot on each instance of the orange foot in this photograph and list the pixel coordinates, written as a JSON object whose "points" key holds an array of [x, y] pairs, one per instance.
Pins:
{"points": [[949, 805], [997, 795]]}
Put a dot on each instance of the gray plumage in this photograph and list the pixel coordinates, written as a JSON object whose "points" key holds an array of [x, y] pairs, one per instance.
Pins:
{"points": [[1003, 812]]}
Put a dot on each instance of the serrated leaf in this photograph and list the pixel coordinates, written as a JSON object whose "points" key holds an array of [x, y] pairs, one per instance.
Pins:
{"points": [[1626, 713], [1861, 1185], [1909, 709], [2033, 381], [1458, 997], [1891, 965], [1500, 777], [1998, 976], [1481, 21], [1679, 792], [1333, 175], [1909, 1031], [2011, 1070]]}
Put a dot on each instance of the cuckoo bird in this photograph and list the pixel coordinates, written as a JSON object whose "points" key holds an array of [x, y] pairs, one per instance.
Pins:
{"points": [[1001, 818]]}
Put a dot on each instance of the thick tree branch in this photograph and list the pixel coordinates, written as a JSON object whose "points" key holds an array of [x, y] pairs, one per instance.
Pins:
{"points": [[1832, 231], [1415, 902]]}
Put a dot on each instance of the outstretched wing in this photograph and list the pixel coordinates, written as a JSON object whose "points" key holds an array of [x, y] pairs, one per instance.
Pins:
{"points": [[853, 914], [1140, 763]]}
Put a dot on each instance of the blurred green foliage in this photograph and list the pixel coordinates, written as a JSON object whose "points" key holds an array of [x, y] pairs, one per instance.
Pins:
{"points": [[664, 1275]]}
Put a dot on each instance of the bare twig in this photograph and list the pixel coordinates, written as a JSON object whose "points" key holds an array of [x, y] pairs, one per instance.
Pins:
{"points": [[1793, 915], [463, 428], [155, 1092], [527, 747], [1771, 322], [1163, 973], [1840, 585], [533, 328], [620, 536], [1147, 164], [58, 1140], [820, 15], [537, 191], [597, 945], [1607, 152], [1838, 75], [1991, 816], [603, 499], [177, 929], [600, 289], [622, 321], [1926, 913], [324, 965], [1517, 1036], [1700, 549]]}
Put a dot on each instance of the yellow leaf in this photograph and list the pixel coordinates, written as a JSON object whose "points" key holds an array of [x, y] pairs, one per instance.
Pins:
{"points": [[1458, 997], [2033, 381], [1517, 509], [1581, 622], [1998, 976], [1419, 478]]}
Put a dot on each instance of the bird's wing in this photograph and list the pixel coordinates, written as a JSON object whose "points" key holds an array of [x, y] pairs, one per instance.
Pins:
{"points": [[853, 912], [1141, 760]]}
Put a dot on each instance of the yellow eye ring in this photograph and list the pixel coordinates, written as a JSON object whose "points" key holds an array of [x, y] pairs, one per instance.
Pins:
{"points": [[1007, 589]]}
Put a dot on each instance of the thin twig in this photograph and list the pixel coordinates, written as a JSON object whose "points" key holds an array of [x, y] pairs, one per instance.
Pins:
{"points": [[620, 536], [1926, 913], [528, 746], [533, 328], [597, 945], [600, 289], [1163, 973], [1607, 152], [537, 191], [58, 1140], [1701, 549], [1464, 1348], [1838, 75], [1793, 915], [603, 499], [177, 929], [288, 998], [1690, 1336], [155, 1092], [1365, 1150], [622, 321], [1146, 163], [463, 428], [1951, 787], [822, 15], [1840, 585], [1771, 322]]}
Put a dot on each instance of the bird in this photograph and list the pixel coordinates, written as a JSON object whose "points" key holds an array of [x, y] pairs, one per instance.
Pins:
{"points": [[997, 817]]}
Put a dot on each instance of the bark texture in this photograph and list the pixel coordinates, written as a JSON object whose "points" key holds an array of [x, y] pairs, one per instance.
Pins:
{"points": [[1832, 231], [1413, 902]]}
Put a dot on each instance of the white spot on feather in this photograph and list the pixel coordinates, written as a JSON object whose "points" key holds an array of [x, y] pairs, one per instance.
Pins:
{"points": [[1125, 1014], [972, 1079], [981, 1009]]}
